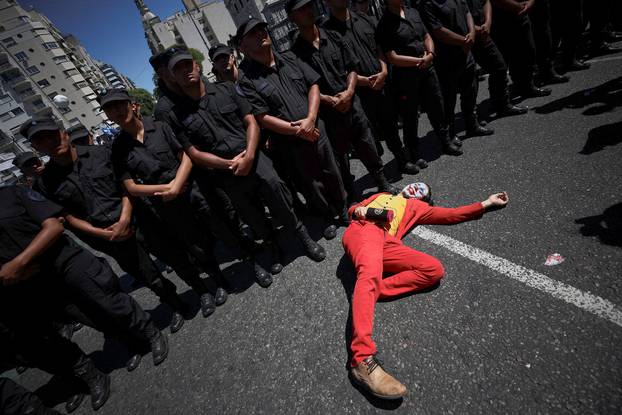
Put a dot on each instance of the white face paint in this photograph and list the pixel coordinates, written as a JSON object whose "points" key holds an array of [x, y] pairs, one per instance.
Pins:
{"points": [[417, 190]]}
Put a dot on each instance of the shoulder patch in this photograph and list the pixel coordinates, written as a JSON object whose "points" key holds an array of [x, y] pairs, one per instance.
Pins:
{"points": [[35, 196]]}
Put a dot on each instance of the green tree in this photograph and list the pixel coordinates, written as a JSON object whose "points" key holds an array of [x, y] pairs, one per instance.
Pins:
{"points": [[198, 57], [145, 99]]}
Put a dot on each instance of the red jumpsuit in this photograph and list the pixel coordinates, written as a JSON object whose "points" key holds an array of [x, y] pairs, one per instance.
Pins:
{"points": [[375, 253]]}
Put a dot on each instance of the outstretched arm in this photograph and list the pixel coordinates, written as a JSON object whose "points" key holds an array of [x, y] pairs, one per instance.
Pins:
{"points": [[450, 216]]}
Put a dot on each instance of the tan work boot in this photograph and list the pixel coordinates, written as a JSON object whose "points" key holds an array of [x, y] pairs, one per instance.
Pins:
{"points": [[370, 375]]}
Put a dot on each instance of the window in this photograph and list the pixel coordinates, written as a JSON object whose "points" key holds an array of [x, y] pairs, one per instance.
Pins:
{"points": [[24, 19], [9, 41], [33, 70], [60, 59], [43, 83], [71, 72], [80, 85], [74, 121], [50, 45], [39, 31], [52, 95], [21, 56]]}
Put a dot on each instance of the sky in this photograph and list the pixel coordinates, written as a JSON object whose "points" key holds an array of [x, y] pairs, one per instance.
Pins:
{"points": [[110, 30]]}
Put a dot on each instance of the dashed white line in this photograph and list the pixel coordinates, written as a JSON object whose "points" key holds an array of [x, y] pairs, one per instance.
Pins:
{"points": [[589, 302]]}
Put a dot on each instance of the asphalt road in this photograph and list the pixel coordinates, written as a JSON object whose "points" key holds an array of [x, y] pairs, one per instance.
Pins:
{"points": [[479, 343]]}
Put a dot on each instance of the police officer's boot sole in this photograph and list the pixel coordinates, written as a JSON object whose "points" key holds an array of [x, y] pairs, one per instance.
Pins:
{"points": [[220, 297], [133, 362], [177, 322], [159, 348], [207, 304], [74, 403]]}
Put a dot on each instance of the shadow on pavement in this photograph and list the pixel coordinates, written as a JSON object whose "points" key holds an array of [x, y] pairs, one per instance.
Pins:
{"points": [[598, 100], [58, 390], [604, 136], [607, 226]]}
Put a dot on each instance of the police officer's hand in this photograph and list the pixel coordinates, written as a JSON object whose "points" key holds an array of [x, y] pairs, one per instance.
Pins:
{"points": [[527, 6], [344, 101], [483, 31], [120, 231], [377, 81], [306, 129], [241, 164], [15, 271], [428, 58], [173, 191], [468, 43]]}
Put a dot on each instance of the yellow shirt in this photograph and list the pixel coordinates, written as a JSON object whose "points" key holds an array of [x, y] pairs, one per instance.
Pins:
{"points": [[395, 203]]}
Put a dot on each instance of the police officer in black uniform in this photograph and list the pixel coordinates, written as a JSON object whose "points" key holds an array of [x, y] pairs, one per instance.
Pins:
{"points": [[223, 136], [30, 165], [407, 45], [224, 65], [451, 26], [81, 180], [79, 135], [150, 163], [346, 123], [540, 15], [513, 35], [34, 250], [487, 56], [285, 96], [359, 30]]}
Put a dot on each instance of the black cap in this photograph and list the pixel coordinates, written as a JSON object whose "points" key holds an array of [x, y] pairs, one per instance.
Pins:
{"points": [[35, 125], [161, 59], [156, 61], [77, 132], [177, 56], [219, 49], [292, 5], [111, 95], [22, 158], [247, 25]]}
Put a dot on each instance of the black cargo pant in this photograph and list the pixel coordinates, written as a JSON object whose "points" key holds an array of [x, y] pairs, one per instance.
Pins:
{"points": [[567, 26], [261, 186], [352, 129], [487, 56], [133, 257], [17, 400], [540, 17], [381, 112], [420, 87], [314, 169], [456, 74], [514, 38]]}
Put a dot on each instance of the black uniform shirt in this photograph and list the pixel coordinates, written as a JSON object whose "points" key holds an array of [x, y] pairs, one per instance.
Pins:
{"points": [[215, 123], [166, 108], [405, 35], [333, 60], [22, 211], [450, 14], [154, 161], [281, 91], [86, 189], [477, 11], [359, 31]]}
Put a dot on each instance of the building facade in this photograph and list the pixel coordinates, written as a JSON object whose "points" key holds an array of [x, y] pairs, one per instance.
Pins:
{"points": [[113, 78], [199, 27]]}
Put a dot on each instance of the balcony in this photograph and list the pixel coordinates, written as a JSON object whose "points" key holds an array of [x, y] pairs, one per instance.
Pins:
{"points": [[28, 94], [18, 81], [7, 66]]}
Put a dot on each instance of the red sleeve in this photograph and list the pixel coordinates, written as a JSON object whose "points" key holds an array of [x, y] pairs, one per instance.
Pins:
{"points": [[449, 216], [363, 203]]}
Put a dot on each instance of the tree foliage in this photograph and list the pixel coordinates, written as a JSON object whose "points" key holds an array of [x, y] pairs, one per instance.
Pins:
{"points": [[145, 99]]}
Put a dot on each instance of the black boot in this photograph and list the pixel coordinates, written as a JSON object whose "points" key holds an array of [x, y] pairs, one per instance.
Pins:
{"points": [[275, 257], [220, 297], [449, 147], [330, 232], [133, 362], [383, 183], [312, 248], [263, 277], [157, 342], [474, 129], [73, 403], [509, 110], [180, 310], [207, 304], [550, 77], [177, 322], [97, 382], [403, 162]]}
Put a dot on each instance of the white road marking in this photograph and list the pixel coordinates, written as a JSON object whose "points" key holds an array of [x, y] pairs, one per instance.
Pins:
{"points": [[610, 58], [589, 302]]}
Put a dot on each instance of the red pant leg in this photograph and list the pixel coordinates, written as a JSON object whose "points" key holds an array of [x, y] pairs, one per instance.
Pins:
{"points": [[363, 242], [411, 270]]}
